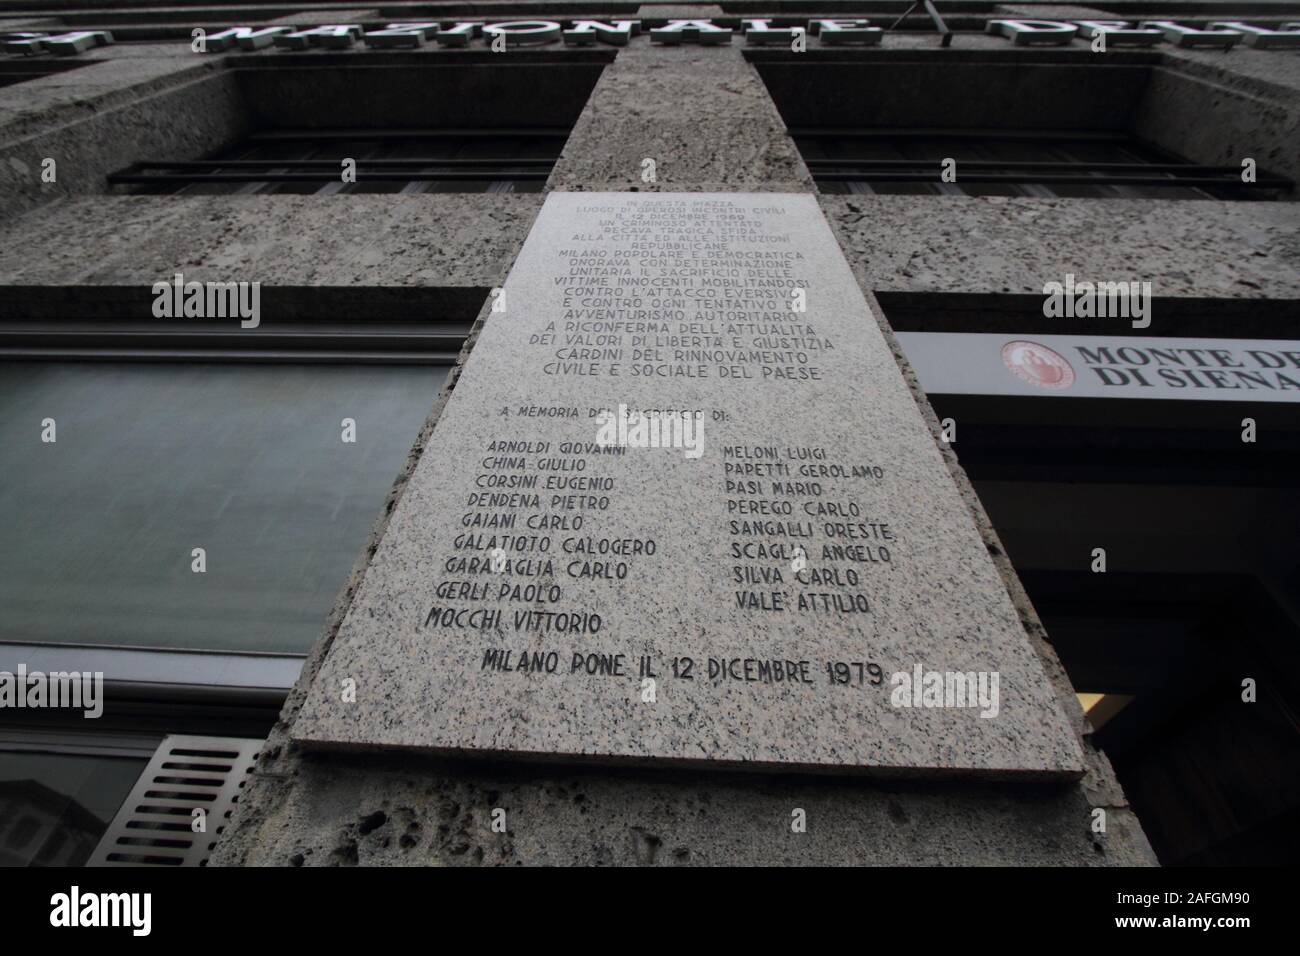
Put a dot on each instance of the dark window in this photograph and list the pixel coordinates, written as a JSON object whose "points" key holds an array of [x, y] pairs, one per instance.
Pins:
{"points": [[310, 162], [55, 806], [154, 460], [1015, 163], [191, 436]]}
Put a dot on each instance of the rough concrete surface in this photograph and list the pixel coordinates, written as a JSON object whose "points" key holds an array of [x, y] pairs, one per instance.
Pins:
{"points": [[700, 114], [1189, 248], [434, 239]]}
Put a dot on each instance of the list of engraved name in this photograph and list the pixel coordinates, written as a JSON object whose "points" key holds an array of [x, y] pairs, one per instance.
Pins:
{"points": [[695, 296]]}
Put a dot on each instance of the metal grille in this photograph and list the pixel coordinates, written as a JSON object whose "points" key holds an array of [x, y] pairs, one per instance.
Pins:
{"points": [[307, 162], [155, 826], [1015, 163]]}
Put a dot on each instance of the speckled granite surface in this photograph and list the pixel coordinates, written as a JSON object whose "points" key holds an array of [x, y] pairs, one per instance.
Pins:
{"points": [[809, 439]]}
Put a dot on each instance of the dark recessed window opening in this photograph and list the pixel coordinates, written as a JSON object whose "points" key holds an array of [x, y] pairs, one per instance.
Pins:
{"points": [[272, 450], [1024, 125], [1048, 163], [255, 464], [311, 162]]}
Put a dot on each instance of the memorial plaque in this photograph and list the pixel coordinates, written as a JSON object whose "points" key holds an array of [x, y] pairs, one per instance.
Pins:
{"points": [[682, 508]]}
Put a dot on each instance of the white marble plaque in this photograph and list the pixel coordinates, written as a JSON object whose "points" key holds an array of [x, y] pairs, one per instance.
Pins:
{"points": [[682, 508]]}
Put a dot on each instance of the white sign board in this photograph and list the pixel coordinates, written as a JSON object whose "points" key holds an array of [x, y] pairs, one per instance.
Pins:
{"points": [[1105, 366]]}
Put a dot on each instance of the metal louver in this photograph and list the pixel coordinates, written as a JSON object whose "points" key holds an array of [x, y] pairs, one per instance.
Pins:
{"points": [[155, 825]]}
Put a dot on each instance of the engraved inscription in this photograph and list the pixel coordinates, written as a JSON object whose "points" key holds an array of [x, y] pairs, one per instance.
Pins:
{"points": [[682, 506]]}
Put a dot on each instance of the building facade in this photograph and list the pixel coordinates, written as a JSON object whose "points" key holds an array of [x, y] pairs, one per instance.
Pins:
{"points": [[195, 494]]}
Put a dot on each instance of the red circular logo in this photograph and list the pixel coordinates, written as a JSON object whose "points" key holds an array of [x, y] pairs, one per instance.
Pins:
{"points": [[1037, 364]]}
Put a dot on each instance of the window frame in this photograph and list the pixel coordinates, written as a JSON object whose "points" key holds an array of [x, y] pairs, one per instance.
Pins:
{"points": [[415, 174], [1140, 178]]}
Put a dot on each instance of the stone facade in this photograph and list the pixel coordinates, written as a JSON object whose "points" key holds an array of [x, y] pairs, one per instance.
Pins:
{"points": [[709, 118]]}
